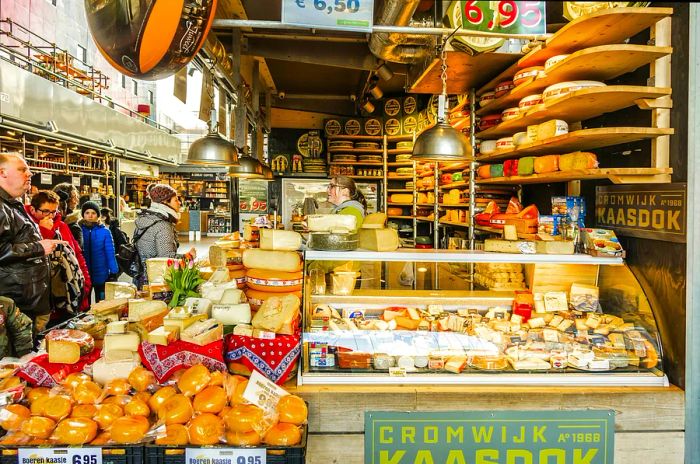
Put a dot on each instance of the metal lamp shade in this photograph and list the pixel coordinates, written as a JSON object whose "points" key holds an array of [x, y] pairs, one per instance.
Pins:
{"points": [[212, 150], [442, 142], [267, 173], [247, 168]]}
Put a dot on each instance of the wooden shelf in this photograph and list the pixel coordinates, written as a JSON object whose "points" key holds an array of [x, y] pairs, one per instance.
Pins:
{"points": [[372, 138], [425, 205], [600, 28], [459, 166], [577, 106], [391, 203], [400, 151], [455, 185], [586, 139], [400, 217], [354, 163], [597, 63], [459, 205], [399, 138], [399, 177], [426, 190], [493, 230], [366, 177], [424, 176], [400, 163], [399, 190], [615, 175], [423, 219], [362, 151], [454, 224]]}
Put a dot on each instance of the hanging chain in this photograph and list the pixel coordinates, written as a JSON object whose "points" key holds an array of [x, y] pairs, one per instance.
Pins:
{"points": [[443, 75]]}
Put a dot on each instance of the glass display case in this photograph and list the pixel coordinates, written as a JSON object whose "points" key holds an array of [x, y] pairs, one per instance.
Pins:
{"points": [[452, 316]]}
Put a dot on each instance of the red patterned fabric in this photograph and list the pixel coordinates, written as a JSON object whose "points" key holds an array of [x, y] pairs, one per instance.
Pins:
{"points": [[164, 361], [275, 359], [39, 372]]}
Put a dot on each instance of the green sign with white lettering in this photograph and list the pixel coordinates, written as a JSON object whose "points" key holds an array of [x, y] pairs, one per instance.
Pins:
{"points": [[490, 437]]}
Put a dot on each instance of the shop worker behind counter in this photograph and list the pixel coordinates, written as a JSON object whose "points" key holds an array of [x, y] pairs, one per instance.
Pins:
{"points": [[24, 270], [347, 198]]}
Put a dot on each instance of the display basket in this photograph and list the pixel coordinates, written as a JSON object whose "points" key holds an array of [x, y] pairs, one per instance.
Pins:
{"points": [[122, 454]]}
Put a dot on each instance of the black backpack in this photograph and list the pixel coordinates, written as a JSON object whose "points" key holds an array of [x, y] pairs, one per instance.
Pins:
{"points": [[128, 257]]}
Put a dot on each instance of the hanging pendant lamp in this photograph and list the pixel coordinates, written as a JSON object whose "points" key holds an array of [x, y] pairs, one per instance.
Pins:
{"points": [[442, 142], [247, 168], [212, 149], [268, 176]]}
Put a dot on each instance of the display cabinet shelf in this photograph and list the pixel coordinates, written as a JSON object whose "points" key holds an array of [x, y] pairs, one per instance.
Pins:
{"points": [[615, 175]]}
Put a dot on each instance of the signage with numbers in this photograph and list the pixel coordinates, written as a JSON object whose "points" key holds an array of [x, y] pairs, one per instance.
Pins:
{"points": [[59, 455], [252, 196], [351, 15], [46, 179], [225, 456], [504, 16]]}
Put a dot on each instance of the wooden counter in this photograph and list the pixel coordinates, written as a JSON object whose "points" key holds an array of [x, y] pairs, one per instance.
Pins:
{"points": [[649, 425]]}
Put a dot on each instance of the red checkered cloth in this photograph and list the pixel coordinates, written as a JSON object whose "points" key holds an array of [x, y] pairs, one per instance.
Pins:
{"points": [[275, 359], [39, 372], [164, 361]]}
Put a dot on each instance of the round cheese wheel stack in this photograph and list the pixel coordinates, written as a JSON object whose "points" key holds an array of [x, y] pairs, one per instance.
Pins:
{"points": [[503, 88], [554, 60], [239, 276], [490, 120], [526, 74], [530, 102], [487, 98], [274, 281], [563, 88], [257, 297], [510, 113]]}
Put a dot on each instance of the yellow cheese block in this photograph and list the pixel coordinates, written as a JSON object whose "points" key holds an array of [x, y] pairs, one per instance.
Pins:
{"points": [[115, 290], [374, 221], [379, 239], [286, 261], [552, 128], [156, 269], [279, 315], [128, 341], [203, 332], [63, 351], [401, 198], [163, 336], [222, 256], [286, 240], [182, 321]]}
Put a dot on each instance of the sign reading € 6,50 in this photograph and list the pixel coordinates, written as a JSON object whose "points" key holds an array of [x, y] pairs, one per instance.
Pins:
{"points": [[490, 437], [351, 15], [149, 39]]}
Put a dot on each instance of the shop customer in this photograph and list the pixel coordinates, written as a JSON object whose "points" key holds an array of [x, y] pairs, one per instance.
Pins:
{"points": [[67, 206], [16, 332], [24, 269], [347, 198], [99, 249], [156, 228]]}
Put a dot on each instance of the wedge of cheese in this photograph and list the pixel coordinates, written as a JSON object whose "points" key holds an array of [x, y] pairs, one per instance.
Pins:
{"points": [[198, 305], [214, 292], [223, 256], [63, 351], [285, 261], [379, 239], [203, 332], [232, 314], [284, 240], [141, 309], [279, 315], [104, 307], [115, 290], [104, 372], [163, 336], [182, 320], [156, 269], [374, 221]]}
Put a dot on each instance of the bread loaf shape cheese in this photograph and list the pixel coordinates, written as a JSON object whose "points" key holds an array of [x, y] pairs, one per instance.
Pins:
{"points": [[103, 308], [547, 163], [285, 261], [128, 341], [394, 211], [274, 281], [66, 346], [401, 198], [325, 223], [257, 297], [284, 240], [379, 239], [279, 315], [374, 221], [225, 256]]}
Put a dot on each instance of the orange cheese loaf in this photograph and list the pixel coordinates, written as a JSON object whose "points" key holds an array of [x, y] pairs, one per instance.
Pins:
{"points": [[274, 281]]}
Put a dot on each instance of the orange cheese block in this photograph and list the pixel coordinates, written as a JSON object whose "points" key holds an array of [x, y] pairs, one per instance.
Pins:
{"points": [[406, 322], [274, 281], [484, 171], [239, 275], [257, 297], [394, 211], [545, 164]]}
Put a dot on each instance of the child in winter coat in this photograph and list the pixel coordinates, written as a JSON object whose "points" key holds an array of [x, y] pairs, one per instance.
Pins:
{"points": [[98, 249]]}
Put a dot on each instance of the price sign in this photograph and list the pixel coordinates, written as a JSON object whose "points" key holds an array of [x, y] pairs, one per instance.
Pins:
{"points": [[252, 196], [75, 181], [95, 183], [504, 16], [59, 455], [225, 456], [351, 15], [45, 179]]}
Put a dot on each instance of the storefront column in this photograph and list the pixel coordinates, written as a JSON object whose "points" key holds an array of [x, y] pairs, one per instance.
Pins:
{"points": [[692, 383]]}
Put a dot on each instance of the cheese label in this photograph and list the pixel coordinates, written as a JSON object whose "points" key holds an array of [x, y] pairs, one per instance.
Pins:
{"points": [[397, 372], [373, 126], [223, 455], [60, 455], [352, 127], [333, 127], [263, 393], [274, 283]]}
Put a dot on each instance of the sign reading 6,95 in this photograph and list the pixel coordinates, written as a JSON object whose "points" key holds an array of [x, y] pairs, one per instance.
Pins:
{"points": [[504, 16], [353, 15]]}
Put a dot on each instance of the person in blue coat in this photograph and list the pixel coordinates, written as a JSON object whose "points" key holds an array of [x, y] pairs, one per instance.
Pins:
{"points": [[98, 249]]}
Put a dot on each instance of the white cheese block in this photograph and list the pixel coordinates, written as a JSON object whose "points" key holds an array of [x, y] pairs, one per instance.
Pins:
{"points": [[221, 255], [128, 341], [232, 314], [285, 261], [214, 292], [329, 222], [487, 147], [104, 372], [163, 336], [220, 275], [141, 309], [552, 128], [118, 356], [379, 239], [198, 305], [119, 290], [117, 327], [233, 296], [156, 269], [104, 307], [182, 320], [285, 240]]}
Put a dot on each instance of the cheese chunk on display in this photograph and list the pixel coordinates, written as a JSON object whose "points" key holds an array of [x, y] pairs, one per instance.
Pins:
{"points": [[142, 309], [62, 351], [257, 297], [285, 261], [115, 290], [379, 239], [273, 281], [119, 306], [279, 315], [163, 336], [69, 339], [198, 305], [128, 341], [182, 320], [374, 221], [117, 327], [401, 198], [330, 222], [225, 256], [509, 246], [214, 292], [203, 332], [232, 296], [232, 314], [104, 372], [284, 240], [552, 128], [156, 269]]}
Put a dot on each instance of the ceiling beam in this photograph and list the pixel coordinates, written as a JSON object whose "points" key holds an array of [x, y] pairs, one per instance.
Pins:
{"points": [[341, 55]]}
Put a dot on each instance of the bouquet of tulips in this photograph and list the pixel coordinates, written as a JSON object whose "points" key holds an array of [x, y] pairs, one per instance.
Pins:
{"points": [[183, 278]]}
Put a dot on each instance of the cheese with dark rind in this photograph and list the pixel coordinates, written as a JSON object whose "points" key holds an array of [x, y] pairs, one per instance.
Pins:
{"points": [[328, 241]]}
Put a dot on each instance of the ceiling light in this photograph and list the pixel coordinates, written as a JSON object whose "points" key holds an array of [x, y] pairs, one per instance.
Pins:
{"points": [[51, 126], [385, 72], [376, 92], [442, 142], [212, 149], [247, 168], [368, 106]]}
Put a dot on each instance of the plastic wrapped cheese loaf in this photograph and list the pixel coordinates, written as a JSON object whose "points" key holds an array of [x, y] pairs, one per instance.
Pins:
{"points": [[285, 261], [578, 160], [526, 166], [496, 170], [67, 346]]}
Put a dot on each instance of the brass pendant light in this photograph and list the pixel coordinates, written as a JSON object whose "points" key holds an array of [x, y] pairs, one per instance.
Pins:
{"points": [[267, 173], [442, 142], [247, 168]]}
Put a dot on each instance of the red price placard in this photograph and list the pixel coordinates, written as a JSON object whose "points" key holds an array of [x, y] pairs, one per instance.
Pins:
{"points": [[504, 16]]}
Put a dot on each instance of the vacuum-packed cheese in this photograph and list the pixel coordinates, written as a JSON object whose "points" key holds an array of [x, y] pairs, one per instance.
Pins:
{"points": [[271, 239], [103, 371], [545, 164], [287, 261]]}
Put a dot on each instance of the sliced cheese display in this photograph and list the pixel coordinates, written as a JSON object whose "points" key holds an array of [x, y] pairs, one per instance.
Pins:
{"points": [[115, 290], [225, 256], [379, 239], [256, 297], [279, 315], [128, 341], [141, 309], [163, 336], [401, 198], [327, 223], [156, 269], [563, 88], [232, 314], [198, 305], [274, 281], [104, 372], [552, 128], [182, 319], [286, 261], [285, 240], [203, 332]]}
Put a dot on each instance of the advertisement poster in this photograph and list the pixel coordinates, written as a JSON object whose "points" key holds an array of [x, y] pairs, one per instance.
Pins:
{"points": [[252, 196]]}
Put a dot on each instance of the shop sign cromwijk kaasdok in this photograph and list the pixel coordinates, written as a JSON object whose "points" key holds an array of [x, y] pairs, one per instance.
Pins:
{"points": [[490, 437], [656, 212], [351, 15]]}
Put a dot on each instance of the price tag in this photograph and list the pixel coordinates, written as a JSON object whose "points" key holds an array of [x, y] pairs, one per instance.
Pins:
{"points": [[95, 183], [397, 372], [262, 392], [225, 456], [504, 16], [349, 15], [59, 456], [75, 181], [45, 179]]}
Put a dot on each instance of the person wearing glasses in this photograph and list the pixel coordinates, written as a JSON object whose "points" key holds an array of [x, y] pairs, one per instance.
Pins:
{"points": [[347, 198], [44, 209], [155, 228], [24, 268], [99, 251]]}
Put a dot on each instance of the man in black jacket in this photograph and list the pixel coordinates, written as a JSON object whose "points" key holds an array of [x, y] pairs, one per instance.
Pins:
{"points": [[24, 270]]}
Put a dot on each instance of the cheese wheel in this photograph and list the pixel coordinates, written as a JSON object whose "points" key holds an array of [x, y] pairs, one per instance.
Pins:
{"points": [[239, 276], [503, 88], [490, 120], [394, 211], [404, 171], [520, 138], [484, 171], [510, 113], [487, 147], [487, 98], [285, 261], [286, 240], [554, 60], [563, 88], [274, 281], [505, 143], [526, 74], [530, 102]]}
